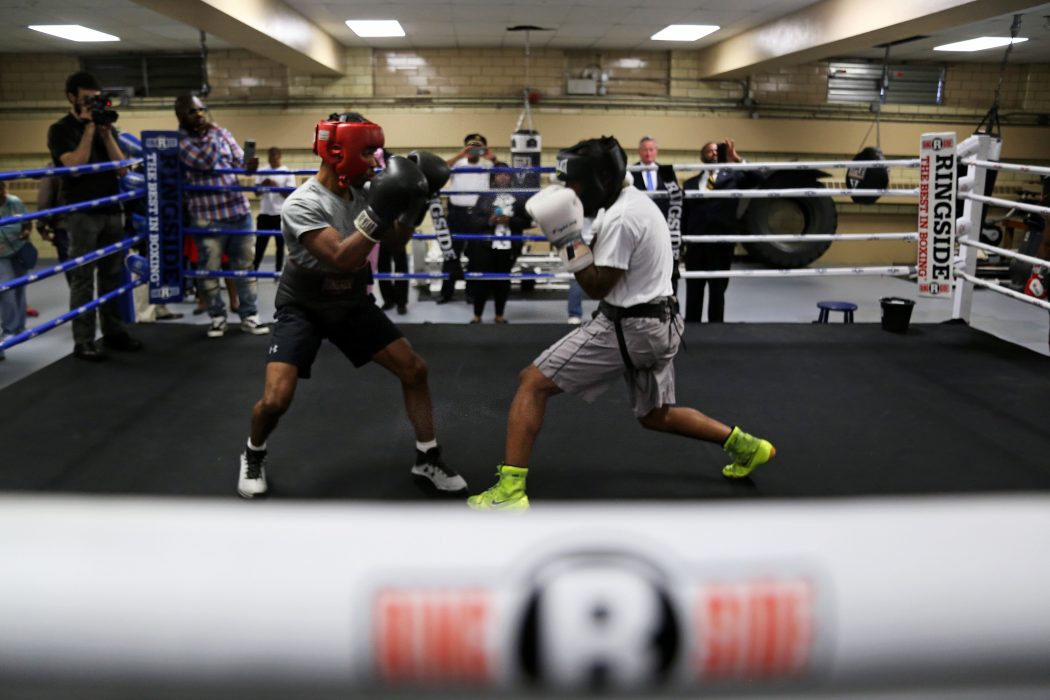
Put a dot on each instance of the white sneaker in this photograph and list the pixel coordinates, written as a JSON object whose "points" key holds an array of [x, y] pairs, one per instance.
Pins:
{"points": [[430, 466], [252, 480], [253, 325], [575, 320], [217, 329]]}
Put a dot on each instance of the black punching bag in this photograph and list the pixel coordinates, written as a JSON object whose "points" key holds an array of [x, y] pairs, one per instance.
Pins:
{"points": [[867, 178]]}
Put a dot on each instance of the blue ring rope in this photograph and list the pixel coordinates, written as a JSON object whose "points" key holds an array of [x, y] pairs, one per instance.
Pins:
{"points": [[69, 208], [69, 316], [37, 173], [78, 261]]}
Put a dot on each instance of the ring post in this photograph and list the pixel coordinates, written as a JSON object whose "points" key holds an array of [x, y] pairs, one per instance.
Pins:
{"points": [[937, 159], [969, 224], [163, 216]]}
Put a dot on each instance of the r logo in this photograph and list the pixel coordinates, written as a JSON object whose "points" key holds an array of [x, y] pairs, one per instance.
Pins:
{"points": [[599, 622]]}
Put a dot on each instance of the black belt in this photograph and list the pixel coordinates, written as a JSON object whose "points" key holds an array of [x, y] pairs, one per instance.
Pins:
{"points": [[663, 309]]}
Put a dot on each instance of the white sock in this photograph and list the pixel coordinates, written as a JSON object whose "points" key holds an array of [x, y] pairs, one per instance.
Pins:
{"points": [[253, 447], [424, 446]]}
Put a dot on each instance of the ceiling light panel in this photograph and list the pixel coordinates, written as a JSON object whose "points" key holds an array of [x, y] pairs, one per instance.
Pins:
{"points": [[370, 28], [684, 32], [73, 32]]}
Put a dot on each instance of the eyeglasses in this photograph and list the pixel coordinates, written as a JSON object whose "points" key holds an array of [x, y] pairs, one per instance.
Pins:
{"points": [[196, 110]]}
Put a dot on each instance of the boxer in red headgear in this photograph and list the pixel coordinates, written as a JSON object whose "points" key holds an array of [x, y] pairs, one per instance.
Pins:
{"points": [[348, 143], [330, 225]]}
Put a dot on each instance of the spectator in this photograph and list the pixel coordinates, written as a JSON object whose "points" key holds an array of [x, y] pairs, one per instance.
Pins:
{"points": [[502, 214], [86, 136], [475, 154], [709, 217], [13, 237], [53, 228], [269, 218], [206, 146], [651, 180]]}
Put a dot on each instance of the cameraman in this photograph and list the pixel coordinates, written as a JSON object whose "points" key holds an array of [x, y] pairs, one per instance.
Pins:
{"points": [[83, 136]]}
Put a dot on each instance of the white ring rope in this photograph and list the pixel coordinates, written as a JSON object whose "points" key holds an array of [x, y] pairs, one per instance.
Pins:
{"points": [[972, 279], [794, 165], [803, 237], [892, 271], [1002, 251], [1005, 203], [793, 192], [1012, 167]]}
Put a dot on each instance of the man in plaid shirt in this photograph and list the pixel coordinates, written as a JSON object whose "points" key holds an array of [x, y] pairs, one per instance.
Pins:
{"points": [[206, 146]]}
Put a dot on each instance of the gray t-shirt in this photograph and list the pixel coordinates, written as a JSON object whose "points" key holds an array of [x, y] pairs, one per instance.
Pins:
{"points": [[313, 207]]}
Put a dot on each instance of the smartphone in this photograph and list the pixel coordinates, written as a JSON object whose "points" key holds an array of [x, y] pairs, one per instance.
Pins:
{"points": [[477, 151], [249, 150], [723, 152]]}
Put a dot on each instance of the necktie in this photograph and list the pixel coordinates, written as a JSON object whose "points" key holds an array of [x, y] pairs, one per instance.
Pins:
{"points": [[650, 180], [711, 179]]}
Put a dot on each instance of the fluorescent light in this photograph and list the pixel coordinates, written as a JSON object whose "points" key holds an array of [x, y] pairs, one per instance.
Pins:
{"points": [[73, 32], [684, 32], [365, 28], [979, 44]]}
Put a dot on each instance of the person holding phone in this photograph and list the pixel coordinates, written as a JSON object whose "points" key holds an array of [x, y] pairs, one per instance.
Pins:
{"points": [[269, 218], [709, 217], [475, 154], [205, 146]]}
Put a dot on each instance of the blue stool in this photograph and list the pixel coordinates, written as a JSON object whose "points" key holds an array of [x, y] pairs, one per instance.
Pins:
{"points": [[845, 307]]}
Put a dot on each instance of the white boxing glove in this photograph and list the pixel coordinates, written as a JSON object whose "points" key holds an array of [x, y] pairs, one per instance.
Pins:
{"points": [[559, 214]]}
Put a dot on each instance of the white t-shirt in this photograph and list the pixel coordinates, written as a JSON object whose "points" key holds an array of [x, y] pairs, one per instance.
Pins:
{"points": [[632, 235], [270, 202], [468, 182]]}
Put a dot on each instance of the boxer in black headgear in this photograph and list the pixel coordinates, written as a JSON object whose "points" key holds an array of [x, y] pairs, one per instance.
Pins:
{"points": [[636, 333]]}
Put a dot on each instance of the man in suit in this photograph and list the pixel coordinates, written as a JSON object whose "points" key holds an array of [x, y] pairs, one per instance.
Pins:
{"points": [[651, 180], [710, 217]]}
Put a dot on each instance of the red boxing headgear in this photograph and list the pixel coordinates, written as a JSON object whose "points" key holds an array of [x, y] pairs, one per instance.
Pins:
{"points": [[341, 141]]}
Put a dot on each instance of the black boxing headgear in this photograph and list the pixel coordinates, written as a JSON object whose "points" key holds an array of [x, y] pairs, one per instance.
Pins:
{"points": [[342, 141], [599, 166]]}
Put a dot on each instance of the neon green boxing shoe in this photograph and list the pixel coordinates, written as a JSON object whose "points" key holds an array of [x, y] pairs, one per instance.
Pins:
{"points": [[748, 453], [507, 494]]}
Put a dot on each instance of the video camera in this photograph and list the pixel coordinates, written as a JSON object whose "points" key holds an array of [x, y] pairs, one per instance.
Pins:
{"points": [[102, 111]]}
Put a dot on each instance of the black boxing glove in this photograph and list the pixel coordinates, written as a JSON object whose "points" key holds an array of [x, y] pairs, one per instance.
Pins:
{"points": [[434, 168], [437, 173], [398, 193]]}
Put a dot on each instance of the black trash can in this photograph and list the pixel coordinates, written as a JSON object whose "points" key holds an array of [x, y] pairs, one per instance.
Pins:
{"points": [[896, 314]]}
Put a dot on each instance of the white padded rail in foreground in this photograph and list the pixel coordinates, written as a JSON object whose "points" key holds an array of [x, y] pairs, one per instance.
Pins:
{"points": [[893, 271], [800, 595], [1013, 167]]}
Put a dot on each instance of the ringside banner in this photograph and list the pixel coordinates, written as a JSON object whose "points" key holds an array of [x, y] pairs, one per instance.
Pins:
{"points": [[936, 250], [163, 215]]}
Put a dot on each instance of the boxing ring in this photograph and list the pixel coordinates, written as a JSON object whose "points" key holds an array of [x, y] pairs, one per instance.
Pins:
{"points": [[896, 544]]}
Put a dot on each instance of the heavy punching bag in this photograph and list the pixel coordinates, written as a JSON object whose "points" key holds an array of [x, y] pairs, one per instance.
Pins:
{"points": [[867, 178]]}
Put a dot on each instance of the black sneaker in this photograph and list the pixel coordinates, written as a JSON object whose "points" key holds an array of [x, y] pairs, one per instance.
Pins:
{"points": [[252, 480], [430, 466]]}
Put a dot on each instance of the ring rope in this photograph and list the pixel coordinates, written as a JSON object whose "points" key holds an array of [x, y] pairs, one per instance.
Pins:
{"points": [[786, 237], [965, 240], [70, 315], [890, 271], [1005, 203], [69, 208], [1012, 167], [693, 167], [973, 279], [37, 173], [739, 194], [78, 261]]}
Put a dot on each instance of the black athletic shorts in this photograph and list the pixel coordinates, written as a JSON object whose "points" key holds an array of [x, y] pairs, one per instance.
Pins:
{"points": [[359, 331]]}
